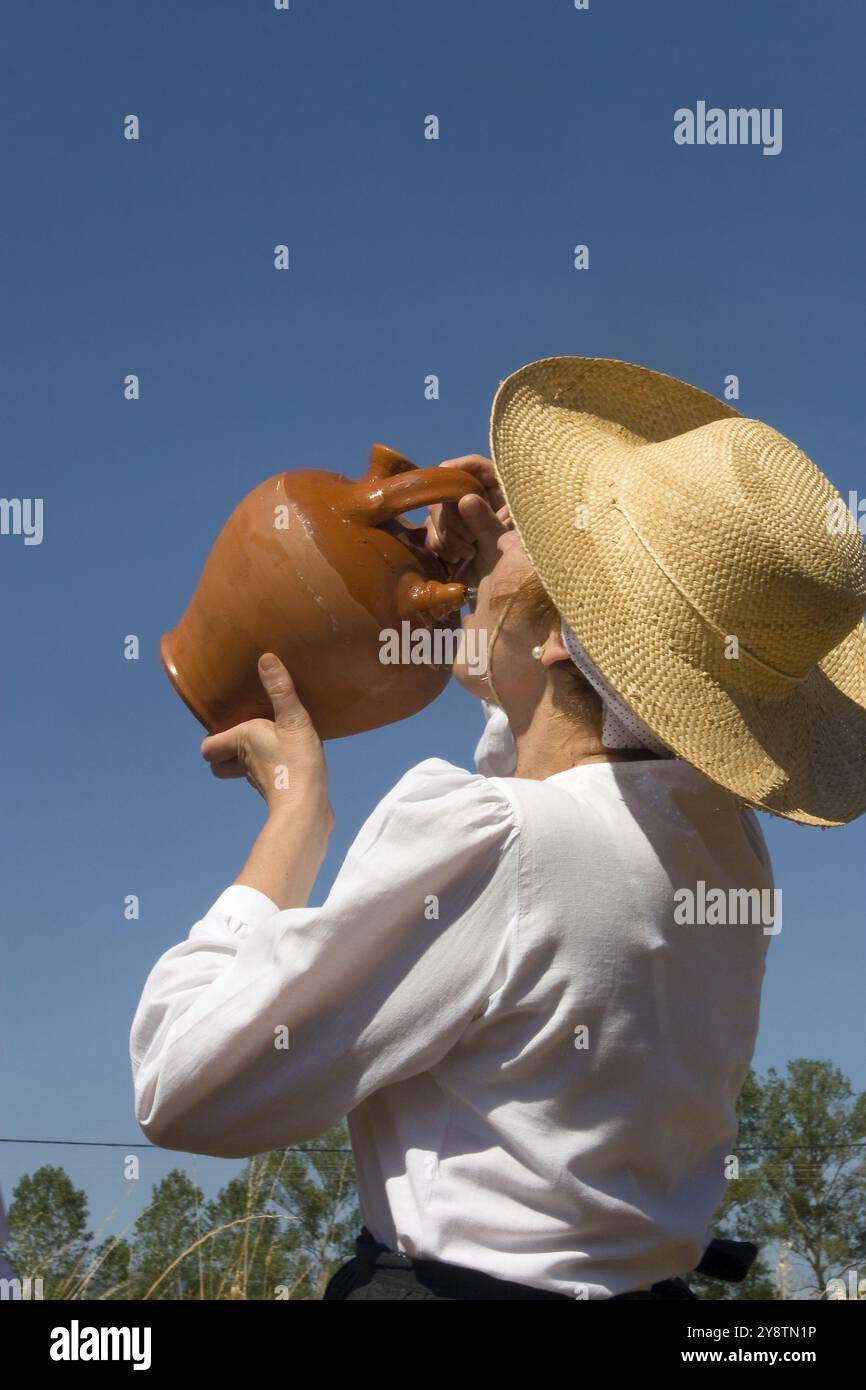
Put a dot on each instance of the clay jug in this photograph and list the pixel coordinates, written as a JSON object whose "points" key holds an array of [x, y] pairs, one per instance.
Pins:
{"points": [[315, 567]]}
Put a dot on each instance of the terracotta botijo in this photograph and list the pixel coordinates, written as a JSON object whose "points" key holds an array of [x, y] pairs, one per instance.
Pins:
{"points": [[315, 567]]}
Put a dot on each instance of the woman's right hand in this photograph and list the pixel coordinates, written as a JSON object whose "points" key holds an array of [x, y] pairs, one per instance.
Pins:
{"points": [[448, 535]]}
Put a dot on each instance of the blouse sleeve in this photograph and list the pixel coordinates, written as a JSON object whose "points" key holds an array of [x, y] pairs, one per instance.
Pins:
{"points": [[265, 1027]]}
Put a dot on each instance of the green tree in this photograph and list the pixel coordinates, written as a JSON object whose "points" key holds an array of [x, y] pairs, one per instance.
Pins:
{"points": [[813, 1171], [284, 1225], [277, 1230], [740, 1216], [107, 1275], [251, 1241], [802, 1181], [48, 1236], [166, 1260], [316, 1188]]}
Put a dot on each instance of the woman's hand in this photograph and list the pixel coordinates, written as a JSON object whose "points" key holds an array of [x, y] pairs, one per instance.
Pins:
{"points": [[448, 535], [283, 759]]}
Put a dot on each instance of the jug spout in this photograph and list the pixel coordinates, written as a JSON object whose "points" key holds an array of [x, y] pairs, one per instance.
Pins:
{"points": [[428, 598]]}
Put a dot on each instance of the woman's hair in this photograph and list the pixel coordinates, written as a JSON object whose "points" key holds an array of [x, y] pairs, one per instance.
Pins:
{"points": [[574, 694]]}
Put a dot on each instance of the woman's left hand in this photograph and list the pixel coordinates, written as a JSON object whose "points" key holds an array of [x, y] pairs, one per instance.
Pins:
{"points": [[449, 536], [283, 759]]}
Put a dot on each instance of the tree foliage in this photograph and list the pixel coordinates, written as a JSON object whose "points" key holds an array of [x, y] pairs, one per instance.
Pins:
{"points": [[282, 1226], [802, 1183]]}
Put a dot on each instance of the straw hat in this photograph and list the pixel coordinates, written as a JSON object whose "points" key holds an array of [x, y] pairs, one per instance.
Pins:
{"points": [[690, 550]]}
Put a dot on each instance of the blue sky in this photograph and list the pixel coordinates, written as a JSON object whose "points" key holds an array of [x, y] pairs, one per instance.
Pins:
{"points": [[408, 257]]}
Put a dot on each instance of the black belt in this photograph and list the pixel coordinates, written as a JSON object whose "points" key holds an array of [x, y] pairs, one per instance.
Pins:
{"points": [[723, 1259]]}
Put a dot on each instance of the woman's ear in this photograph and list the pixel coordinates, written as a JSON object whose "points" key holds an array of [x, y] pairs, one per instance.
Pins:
{"points": [[554, 649]]}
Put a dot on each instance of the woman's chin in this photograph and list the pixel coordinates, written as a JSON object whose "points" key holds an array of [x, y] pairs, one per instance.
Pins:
{"points": [[472, 681]]}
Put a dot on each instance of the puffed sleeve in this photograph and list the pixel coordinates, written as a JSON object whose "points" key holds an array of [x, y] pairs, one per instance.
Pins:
{"points": [[264, 1027]]}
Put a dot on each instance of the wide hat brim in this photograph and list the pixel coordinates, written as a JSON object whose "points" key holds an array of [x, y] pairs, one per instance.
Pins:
{"points": [[561, 435]]}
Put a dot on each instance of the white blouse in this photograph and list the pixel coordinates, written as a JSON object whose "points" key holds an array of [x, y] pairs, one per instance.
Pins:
{"points": [[539, 1063]]}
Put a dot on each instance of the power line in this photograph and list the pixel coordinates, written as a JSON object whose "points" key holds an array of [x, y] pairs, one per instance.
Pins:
{"points": [[293, 1148], [117, 1144]]}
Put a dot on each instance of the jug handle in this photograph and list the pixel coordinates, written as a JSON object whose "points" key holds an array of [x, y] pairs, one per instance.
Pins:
{"points": [[385, 461], [377, 499]]}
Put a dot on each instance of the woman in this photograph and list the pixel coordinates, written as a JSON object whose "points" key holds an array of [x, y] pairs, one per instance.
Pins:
{"points": [[514, 989]]}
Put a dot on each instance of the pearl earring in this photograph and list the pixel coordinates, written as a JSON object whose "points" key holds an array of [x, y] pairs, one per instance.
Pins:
{"points": [[537, 652]]}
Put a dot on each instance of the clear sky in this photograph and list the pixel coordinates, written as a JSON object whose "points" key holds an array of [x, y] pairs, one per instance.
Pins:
{"points": [[408, 257]]}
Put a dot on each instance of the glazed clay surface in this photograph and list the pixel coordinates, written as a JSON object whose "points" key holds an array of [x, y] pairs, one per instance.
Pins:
{"points": [[316, 566]]}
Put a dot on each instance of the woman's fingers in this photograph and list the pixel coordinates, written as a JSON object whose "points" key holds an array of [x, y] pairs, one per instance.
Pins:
{"points": [[220, 748], [282, 758], [481, 468], [479, 519], [485, 527], [289, 713], [448, 536]]}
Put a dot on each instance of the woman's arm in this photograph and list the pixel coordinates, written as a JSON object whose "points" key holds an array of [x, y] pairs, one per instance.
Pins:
{"points": [[263, 1028], [289, 852], [284, 761]]}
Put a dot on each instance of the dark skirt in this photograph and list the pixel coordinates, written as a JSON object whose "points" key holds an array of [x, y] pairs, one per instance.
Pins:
{"points": [[376, 1272]]}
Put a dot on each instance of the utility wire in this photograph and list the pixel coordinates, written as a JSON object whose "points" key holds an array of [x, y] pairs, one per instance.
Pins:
{"points": [[293, 1148], [117, 1144]]}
